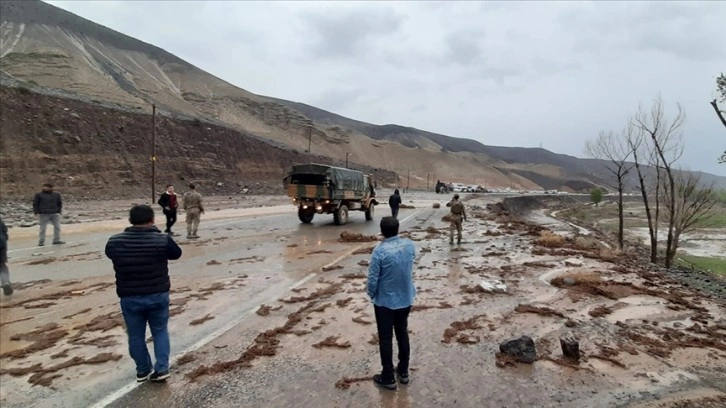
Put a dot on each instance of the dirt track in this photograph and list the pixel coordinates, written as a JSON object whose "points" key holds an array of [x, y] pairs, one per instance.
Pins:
{"points": [[646, 339]]}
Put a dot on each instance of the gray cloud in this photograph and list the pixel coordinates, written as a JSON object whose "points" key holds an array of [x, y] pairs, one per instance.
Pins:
{"points": [[463, 47], [348, 34], [419, 108], [504, 73], [337, 99]]}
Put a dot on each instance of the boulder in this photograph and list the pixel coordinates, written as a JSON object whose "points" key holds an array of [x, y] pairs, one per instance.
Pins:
{"points": [[521, 348]]}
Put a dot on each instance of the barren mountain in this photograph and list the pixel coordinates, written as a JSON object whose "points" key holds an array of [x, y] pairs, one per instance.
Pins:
{"points": [[55, 52]]}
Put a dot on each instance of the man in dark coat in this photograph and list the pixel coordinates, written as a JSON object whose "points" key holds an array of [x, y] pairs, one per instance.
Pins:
{"points": [[140, 257], [169, 203], [48, 205], [394, 201], [4, 272]]}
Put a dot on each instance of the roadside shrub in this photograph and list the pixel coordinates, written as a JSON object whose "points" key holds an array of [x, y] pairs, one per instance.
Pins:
{"points": [[550, 240], [596, 196]]}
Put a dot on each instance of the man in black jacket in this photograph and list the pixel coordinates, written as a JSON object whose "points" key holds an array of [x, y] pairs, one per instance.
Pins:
{"points": [[394, 201], [48, 205], [169, 203], [4, 272], [140, 257]]}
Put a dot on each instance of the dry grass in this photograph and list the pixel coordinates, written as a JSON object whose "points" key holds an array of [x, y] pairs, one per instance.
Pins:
{"points": [[550, 240]]}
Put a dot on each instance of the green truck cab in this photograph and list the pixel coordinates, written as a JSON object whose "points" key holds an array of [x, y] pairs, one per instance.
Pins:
{"points": [[322, 189]]}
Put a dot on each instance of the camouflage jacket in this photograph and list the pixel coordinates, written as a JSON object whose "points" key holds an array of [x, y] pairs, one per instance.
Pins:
{"points": [[192, 199], [457, 208]]}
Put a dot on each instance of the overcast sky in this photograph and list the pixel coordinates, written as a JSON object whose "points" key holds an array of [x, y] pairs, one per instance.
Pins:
{"points": [[510, 74]]}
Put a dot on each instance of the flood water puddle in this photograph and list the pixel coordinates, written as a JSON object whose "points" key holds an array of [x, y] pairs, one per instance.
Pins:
{"points": [[638, 307]]}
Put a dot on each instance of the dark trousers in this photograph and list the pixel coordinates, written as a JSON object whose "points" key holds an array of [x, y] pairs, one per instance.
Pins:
{"points": [[170, 219], [388, 322], [394, 212]]}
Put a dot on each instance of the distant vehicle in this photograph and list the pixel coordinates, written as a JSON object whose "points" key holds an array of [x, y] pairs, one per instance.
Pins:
{"points": [[443, 188], [322, 189], [458, 187]]}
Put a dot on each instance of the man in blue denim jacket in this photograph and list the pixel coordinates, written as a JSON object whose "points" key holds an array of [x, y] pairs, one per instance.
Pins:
{"points": [[390, 287]]}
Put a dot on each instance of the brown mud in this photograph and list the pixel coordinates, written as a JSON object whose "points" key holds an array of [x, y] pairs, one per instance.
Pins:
{"points": [[347, 236]]}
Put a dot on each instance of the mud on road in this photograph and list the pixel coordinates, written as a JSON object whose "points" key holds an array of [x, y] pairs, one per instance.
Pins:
{"points": [[646, 340]]}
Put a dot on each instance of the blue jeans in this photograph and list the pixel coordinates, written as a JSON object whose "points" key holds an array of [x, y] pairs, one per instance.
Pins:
{"points": [[137, 311]]}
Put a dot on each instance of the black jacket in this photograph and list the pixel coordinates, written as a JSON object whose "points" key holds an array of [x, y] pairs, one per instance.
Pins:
{"points": [[3, 242], [140, 259], [47, 203], [165, 201], [394, 201]]}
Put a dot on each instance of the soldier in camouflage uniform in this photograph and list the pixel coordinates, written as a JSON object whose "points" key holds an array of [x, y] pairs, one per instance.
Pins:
{"points": [[458, 213], [194, 208]]}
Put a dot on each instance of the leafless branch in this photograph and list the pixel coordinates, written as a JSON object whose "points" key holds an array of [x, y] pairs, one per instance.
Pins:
{"points": [[719, 112]]}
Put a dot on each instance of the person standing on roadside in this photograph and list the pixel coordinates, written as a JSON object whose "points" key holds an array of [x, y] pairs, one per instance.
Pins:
{"points": [[48, 205], [4, 272], [394, 201], [193, 207], [169, 204], [391, 288], [458, 213], [140, 256]]}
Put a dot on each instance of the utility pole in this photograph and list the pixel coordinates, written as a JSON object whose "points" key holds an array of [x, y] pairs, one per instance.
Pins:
{"points": [[310, 139], [428, 175], [346, 159], [408, 179], [153, 153]]}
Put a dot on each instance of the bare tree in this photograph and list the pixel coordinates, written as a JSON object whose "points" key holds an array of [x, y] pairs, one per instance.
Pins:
{"points": [[638, 146], [690, 209], [667, 147], [616, 151], [721, 89]]}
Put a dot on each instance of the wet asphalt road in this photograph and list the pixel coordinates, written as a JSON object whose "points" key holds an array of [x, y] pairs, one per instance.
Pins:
{"points": [[268, 258], [258, 258]]}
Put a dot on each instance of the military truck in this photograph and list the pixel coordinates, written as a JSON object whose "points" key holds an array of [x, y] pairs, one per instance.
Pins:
{"points": [[322, 189]]}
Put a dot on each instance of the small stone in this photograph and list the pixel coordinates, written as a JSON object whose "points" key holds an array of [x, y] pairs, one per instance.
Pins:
{"points": [[570, 348], [569, 281], [58, 132]]}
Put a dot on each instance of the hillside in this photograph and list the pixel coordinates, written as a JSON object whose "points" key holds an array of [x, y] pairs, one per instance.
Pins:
{"points": [[92, 151], [56, 52]]}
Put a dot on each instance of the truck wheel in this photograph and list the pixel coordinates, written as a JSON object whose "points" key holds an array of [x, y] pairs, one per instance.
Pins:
{"points": [[305, 216], [340, 216], [369, 212]]}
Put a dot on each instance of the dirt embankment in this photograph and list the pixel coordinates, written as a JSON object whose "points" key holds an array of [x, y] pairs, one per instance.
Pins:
{"points": [[85, 148], [519, 206]]}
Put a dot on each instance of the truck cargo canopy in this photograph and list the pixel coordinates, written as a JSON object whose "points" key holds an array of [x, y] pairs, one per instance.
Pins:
{"points": [[341, 178]]}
